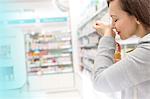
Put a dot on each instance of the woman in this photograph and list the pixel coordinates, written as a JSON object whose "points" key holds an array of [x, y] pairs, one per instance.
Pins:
{"points": [[131, 75]]}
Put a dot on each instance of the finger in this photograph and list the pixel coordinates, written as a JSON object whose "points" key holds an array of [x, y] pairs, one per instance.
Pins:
{"points": [[98, 22], [96, 26]]}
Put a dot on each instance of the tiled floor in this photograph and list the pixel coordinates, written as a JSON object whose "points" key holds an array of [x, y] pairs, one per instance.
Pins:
{"points": [[42, 95], [58, 95], [87, 92], [64, 95]]}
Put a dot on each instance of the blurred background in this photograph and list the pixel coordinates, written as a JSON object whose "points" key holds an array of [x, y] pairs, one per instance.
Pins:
{"points": [[47, 48]]}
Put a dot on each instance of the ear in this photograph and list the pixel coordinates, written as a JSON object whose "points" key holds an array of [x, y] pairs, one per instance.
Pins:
{"points": [[137, 21]]}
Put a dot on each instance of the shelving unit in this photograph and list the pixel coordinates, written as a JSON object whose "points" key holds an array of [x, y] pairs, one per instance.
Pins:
{"points": [[49, 50], [88, 38], [49, 54]]}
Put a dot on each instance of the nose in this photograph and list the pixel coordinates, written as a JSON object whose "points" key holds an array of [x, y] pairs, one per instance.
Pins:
{"points": [[114, 28], [113, 25]]}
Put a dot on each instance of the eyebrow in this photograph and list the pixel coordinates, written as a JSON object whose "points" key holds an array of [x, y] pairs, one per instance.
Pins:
{"points": [[114, 16]]}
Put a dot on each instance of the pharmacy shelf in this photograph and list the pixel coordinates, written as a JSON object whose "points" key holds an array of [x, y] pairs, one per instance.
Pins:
{"points": [[91, 57], [59, 48], [50, 73], [56, 64], [88, 38], [87, 63], [88, 67], [100, 13], [49, 51], [49, 64], [56, 40], [50, 56], [40, 73], [87, 33], [56, 55]]}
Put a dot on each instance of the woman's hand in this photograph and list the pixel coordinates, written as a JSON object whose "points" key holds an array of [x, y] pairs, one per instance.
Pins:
{"points": [[104, 30]]}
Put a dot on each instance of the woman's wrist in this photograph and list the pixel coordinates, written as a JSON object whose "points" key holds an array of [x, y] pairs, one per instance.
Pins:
{"points": [[109, 32]]}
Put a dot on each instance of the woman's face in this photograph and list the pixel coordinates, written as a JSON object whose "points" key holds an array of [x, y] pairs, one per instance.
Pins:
{"points": [[125, 24]]}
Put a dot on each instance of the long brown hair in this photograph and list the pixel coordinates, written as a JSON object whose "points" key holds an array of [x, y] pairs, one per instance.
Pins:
{"points": [[138, 8]]}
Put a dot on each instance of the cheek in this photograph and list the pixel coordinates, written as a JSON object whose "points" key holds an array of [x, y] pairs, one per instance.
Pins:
{"points": [[126, 27], [121, 27], [131, 28]]}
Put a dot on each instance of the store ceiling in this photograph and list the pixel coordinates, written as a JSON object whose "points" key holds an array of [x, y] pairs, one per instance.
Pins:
{"points": [[36, 9], [20, 1], [37, 5]]}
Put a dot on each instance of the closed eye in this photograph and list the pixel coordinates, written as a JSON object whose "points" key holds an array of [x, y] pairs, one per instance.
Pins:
{"points": [[116, 20]]}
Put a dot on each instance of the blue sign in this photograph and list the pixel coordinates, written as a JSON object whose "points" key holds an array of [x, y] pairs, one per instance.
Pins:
{"points": [[59, 19], [25, 21], [33, 21]]}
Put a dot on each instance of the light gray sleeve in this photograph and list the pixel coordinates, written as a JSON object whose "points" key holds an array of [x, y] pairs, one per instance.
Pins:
{"points": [[126, 73]]}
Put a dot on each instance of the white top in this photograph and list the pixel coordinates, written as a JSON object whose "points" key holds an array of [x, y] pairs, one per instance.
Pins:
{"points": [[130, 75]]}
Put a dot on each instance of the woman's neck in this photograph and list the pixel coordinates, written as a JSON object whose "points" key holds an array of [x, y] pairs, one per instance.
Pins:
{"points": [[142, 31]]}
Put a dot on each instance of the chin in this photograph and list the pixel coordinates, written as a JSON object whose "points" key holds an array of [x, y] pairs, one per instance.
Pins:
{"points": [[123, 38]]}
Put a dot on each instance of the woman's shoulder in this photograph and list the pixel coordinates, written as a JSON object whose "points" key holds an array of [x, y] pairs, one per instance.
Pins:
{"points": [[141, 53]]}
